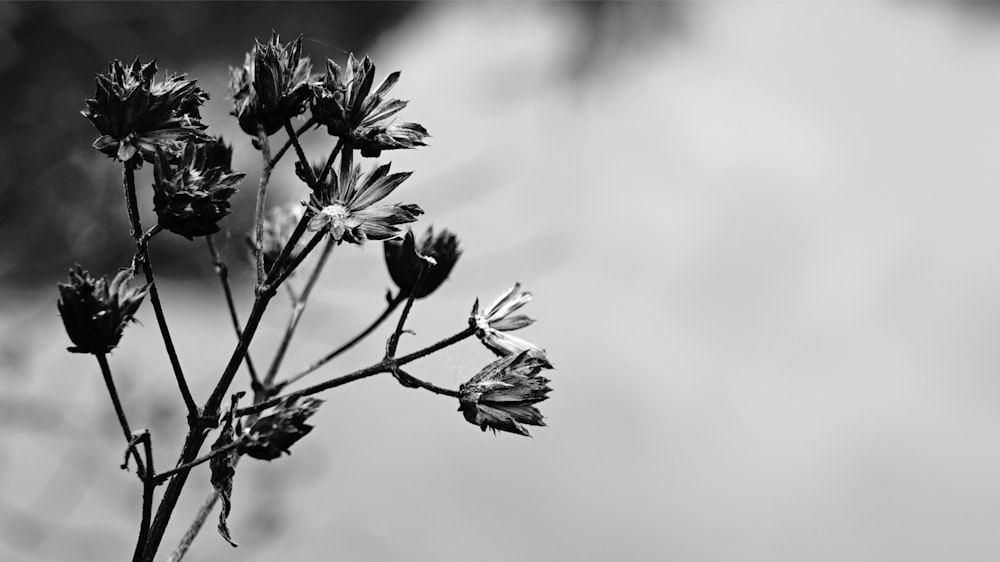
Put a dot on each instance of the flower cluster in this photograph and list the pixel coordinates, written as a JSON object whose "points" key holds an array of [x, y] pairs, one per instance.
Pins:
{"points": [[405, 259], [271, 87], [493, 324], [135, 115], [503, 395], [95, 311], [347, 208], [192, 197], [344, 102]]}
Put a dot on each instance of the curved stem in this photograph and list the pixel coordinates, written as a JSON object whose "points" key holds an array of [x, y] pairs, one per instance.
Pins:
{"points": [[413, 382], [128, 175], [393, 343], [102, 360]]}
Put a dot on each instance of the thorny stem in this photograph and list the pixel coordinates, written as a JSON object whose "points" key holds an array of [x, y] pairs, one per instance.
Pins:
{"points": [[389, 309], [164, 476], [128, 175], [222, 270], [384, 366], [265, 176], [298, 307]]}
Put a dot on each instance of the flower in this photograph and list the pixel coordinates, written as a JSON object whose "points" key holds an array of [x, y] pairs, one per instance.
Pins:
{"points": [[135, 115], [344, 103], [405, 260], [279, 223], [274, 434], [347, 206], [218, 154], [95, 311], [192, 198], [271, 87], [491, 325], [503, 395]]}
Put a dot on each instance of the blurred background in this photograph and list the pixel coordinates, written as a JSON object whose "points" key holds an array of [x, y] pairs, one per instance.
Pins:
{"points": [[759, 235]]}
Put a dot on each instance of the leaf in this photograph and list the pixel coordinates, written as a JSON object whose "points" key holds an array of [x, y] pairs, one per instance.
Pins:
{"points": [[223, 471]]}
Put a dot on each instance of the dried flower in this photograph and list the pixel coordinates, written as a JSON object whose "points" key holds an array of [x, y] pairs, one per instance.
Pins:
{"points": [[135, 115], [271, 87], [492, 324], [503, 395], [192, 198], [405, 259], [95, 311], [347, 206], [274, 434], [279, 223], [343, 101], [218, 154]]}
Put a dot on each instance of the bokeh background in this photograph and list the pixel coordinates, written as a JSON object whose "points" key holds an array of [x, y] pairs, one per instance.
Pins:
{"points": [[761, 238]]}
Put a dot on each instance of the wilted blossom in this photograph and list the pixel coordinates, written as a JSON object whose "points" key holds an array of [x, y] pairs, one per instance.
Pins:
{"points": [[492, 324], [191, 198], [344, 102], [279, 223], [272, 435], [406, 258], [348, 207], [503, 395], [271, 87], [136, 115], [218, 154], [95, 311]]}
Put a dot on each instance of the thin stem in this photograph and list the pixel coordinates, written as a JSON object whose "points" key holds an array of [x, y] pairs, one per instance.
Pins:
{"points": [[222, 270], [199, 521], [288, 143], [297, 260], [384, 366], [164, 476], [298, 307], [393, 304], [265, 177], [329, 161], [393, 343], [102, 359], [148, 486], [294, 139], [414, 382], [128, 174]]}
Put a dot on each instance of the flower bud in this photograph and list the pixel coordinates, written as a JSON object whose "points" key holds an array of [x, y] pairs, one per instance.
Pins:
{"points": [[405, 259], [272, 435], [271, 87], [192, 198], [503, 395], [95, 311]]}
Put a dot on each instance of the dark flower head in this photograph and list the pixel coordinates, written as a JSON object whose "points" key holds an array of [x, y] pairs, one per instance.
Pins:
{"points": [[272, 435], [218, 154], [348, 207], [190, 198], [405, 259], [492, 324], [503, 395], [271, 86], [136, 115], [95, 311], [279, 223], [345, 103]]}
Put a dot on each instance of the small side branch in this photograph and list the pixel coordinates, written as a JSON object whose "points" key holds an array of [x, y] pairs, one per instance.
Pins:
{"points": [[222, 270]]}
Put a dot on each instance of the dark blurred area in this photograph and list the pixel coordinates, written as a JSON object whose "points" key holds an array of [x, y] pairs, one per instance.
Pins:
{"points": [[60, 200]]}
